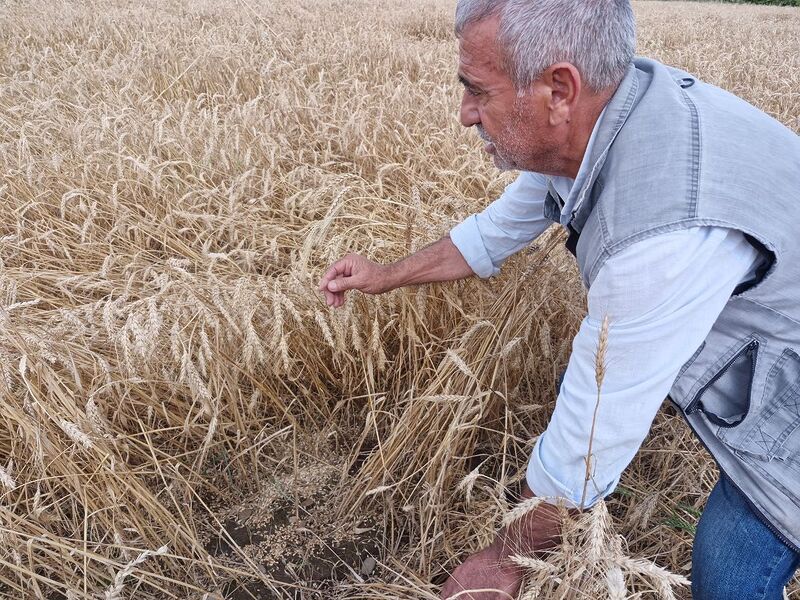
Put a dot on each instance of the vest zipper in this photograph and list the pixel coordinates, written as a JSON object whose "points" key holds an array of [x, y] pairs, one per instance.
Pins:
{"points": [[693, 406], [750, 503]]}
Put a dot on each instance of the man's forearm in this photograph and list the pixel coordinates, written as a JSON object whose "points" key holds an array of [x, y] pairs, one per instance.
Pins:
{"points": [[439, 261]]}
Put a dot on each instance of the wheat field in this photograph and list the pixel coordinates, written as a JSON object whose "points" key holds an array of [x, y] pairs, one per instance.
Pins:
{"points": [[183, 417]]}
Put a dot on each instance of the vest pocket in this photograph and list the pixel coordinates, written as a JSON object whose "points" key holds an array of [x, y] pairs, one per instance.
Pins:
{"points": [[779, 416], [725, 398]]}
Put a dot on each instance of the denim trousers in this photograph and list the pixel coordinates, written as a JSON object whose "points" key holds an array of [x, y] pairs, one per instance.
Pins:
{"points": [[735, 555]]}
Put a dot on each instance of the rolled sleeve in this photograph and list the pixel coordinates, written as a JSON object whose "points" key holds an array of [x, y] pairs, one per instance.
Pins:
{"points": [[467, 238], [506, 226], [548, 486]]}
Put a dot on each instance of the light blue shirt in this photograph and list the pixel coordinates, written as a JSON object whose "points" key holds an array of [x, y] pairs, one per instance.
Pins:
{"points": [[662, 296]]}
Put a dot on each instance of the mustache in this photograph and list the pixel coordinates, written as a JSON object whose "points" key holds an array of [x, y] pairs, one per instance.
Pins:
{"points": [[483, 135]]}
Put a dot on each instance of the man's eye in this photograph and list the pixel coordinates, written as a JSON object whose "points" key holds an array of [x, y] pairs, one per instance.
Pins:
{"points": [[473, 91]]}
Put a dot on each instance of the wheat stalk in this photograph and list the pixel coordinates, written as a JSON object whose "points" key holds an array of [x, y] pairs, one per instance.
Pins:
{"points": [[600, 373]]}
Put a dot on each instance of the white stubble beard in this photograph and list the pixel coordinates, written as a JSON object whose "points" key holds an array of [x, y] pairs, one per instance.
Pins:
{"points": [[500, 161]]}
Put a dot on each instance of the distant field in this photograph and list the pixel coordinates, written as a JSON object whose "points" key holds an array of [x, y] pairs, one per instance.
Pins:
{"points": [[180, 414], [770, 2]]}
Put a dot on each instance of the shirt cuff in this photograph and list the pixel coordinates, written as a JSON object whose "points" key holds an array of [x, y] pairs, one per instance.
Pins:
{"points": [[467, 238], [545, 484]]}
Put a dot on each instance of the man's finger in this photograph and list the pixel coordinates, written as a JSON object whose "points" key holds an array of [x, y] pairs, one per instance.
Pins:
{"points": [[338, 269], [327, 277], [342, 284]]}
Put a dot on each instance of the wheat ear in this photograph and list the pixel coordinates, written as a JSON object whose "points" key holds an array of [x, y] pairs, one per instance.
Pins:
{"points": [[520, 510]]}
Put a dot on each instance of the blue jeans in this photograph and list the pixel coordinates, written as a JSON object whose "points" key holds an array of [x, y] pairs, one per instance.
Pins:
{"points": [[735, 555]]}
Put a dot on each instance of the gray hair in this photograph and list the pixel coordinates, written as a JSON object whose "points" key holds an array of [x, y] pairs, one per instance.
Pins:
{"points": [[597, 36]]}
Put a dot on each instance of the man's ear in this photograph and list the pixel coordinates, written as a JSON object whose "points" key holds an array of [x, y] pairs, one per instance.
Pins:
{"points": [[564, 83]]}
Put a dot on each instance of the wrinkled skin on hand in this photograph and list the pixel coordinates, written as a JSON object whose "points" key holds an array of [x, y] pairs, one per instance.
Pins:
{"points": [[353, 272], [490, 574]]}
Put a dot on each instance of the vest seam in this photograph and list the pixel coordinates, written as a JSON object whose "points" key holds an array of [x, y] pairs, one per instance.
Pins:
{"points": [[605, 236], [694, 172], [771, 479], [668, 227]]}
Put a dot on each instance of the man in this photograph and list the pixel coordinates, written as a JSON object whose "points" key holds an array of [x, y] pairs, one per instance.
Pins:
{"points": [[681, 201]]}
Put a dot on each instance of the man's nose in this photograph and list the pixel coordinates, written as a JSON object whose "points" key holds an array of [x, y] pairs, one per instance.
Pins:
{"points": [[469, 115]]}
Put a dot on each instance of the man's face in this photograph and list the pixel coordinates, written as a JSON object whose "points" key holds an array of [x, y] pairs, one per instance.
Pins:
{"points": [[513, 126]]}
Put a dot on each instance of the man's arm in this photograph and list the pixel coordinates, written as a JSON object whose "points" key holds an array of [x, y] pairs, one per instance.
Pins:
{"points": [[491, 574], [476, 246], [662, 296], [440, 261]]}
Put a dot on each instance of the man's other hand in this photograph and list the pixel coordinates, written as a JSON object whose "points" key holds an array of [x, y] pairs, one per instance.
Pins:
{"points": [[486, 575], [490, 573], [353, 272]]}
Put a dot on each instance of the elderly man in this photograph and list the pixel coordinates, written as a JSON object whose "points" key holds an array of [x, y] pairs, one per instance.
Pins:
{"points": [[681, 203]]}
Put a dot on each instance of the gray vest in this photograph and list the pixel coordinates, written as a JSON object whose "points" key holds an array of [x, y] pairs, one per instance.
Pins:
{"points": [[673, 152]]}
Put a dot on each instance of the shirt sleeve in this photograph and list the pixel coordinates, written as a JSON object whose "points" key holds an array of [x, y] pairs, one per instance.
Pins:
{"points": [[506, 226], [662, 296]]}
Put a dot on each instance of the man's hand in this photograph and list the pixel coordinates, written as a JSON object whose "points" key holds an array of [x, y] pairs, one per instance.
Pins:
{"points": [[486, 575], [439, 261], [490, 574], [354, 272]]}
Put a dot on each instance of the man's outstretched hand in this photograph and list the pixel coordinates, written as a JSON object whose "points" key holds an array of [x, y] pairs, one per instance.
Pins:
{"points": [[439, 261], [354, 272], [490, 574]]}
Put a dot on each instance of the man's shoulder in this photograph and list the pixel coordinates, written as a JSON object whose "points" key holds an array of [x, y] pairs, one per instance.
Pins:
{"points": [[660, 82]]}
